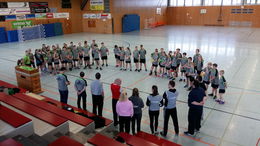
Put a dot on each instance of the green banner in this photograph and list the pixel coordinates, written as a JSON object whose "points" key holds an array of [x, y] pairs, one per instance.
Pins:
{"points": [[21, 23]]}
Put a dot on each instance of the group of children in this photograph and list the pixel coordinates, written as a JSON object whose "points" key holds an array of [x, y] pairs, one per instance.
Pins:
{"points": [[51, 59], [169, 65], [173, 63]]}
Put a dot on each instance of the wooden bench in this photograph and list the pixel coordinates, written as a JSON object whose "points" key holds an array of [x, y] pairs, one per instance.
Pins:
{"points": [[8, 85], [101, 140], [10, 142], [59, 104], [54, 122], [15, 123], [155, 139], [65, 141], [87, 124], [135, 141]]}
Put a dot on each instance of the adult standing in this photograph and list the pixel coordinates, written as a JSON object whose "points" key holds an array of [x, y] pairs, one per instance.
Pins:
{"points": [[124, 109], [154, 101], [116, 91], [97, 95], [63, 83], [196, 58], [196, 101], [138, 105], [170, 97], [80, 87]]}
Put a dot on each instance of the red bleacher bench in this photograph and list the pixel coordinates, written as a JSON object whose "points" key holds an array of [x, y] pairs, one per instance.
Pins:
{"points": [[12, 118], [59, 104], [135, 141], [101, 140], [8, 85], [10, 142], [39, 113], [55, 110], [155, 139], [65, 141]]}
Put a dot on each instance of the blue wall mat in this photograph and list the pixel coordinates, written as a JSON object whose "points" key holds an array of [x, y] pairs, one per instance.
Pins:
{"points": [[12, 36], [58, 29], [2, 29], [3, 38], [49, 30], [131, 22]]}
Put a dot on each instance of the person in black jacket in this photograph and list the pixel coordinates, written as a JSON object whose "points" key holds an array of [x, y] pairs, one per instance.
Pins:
{"points": [[138, 105], [196, 100]]}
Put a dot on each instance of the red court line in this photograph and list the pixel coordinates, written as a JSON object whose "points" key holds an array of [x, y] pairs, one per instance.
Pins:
{"points": [[258, 142]]}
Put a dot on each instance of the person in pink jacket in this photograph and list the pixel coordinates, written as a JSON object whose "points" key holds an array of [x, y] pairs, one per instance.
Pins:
{"points": [[125, 111]]}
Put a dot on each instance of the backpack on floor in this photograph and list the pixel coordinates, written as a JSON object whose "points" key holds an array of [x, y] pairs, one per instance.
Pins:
{"points": [[99, 121]]}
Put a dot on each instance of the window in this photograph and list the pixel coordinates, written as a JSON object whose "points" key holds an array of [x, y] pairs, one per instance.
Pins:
{"points": [[237, 2], [173, 3], [180, 3], [227, 2], [217, 2], [196, 2], [250, 2], [188, 2], [208, 2]]}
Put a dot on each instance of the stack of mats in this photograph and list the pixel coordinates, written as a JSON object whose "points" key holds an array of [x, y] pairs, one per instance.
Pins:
{"points": [[3, 38], [49, 30], [131, 22], [12, 36], [58, 29]]}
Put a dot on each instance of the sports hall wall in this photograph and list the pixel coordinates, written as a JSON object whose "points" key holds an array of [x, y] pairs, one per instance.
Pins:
{"points": [[146, 9], [230, 16], [71, 25]]}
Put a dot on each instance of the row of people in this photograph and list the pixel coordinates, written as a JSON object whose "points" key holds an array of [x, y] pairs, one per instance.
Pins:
{"points": [[129, 110]]}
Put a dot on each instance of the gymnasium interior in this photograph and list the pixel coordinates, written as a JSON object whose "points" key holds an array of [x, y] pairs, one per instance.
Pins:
{"points": [[225, 31]]}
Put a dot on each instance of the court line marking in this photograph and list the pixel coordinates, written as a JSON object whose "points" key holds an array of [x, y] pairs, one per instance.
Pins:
{"points": [[258, 142]]}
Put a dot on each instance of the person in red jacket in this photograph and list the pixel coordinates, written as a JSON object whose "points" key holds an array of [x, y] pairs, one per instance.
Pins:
{"points": [[116, 91]]}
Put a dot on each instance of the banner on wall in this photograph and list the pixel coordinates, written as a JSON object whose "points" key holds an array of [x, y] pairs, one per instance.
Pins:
{"points": [[97, 16], [49, 15], [40, 15], [61, 15], [10, 17], [30, 16], [39, 7], [14, 11], [21, 23], [3, 5], [18, 5], [96, 5], [20, 17]]}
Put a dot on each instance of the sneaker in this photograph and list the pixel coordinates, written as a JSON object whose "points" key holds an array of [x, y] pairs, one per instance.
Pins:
{"points": [[188, 134], [70, 69], [125, 69], [89, 67], [130, 69], [100, 68], [106, 64], [136, 70], [173, 79], [186, 86], [180, 80], [221, 102], [155, 73], [102, 64], [121, 69], [189, 89], [217, 100], [215, 97], [156, 132], [150, 73], [162, 134], [96, 67], [184, 80], [198, 131], [145, 69], [210, 94], [139, 70], [85, 67]]}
